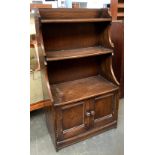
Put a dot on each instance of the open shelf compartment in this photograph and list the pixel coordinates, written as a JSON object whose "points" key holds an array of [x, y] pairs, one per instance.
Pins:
{"points": [[70, 91], [73, 15], [76, 53]]}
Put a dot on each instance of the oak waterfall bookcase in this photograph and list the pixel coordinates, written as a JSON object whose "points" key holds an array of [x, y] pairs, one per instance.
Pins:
{"points": [[75, 52]]}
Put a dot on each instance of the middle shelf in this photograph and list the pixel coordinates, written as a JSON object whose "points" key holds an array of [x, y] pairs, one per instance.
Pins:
{"points": [[75, 20], [77, 90], [76, 53]]}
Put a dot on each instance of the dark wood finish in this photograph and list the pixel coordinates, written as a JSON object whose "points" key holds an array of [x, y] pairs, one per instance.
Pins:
{"points": [[76, 53], [117, 35], [73, 14], [105, 109], [68, 70], [56, 36], [75, 20], [118, 59], [68, 92], [76, 60]]}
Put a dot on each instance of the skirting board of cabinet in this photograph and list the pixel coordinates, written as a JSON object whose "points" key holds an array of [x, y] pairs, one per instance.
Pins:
{"points": [[86, 135]]}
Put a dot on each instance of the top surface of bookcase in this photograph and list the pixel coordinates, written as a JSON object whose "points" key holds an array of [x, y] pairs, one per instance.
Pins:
{"points": [[73, 15]]}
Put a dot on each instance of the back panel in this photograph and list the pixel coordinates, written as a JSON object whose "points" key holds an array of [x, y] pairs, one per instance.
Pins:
{"points": [[61, 36], [66, 70]]}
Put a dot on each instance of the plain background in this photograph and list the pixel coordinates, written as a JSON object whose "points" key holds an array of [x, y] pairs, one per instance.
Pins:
{"points": [[139, 77]]}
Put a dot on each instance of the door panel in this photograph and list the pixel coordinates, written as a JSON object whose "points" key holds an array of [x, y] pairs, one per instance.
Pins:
{"points": [[77, 118], [104, 109], [73, 120], [72, 116], [103, 106]]}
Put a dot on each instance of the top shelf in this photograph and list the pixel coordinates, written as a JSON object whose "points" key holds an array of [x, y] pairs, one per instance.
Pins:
{"points": [[75, 20], [69, 15]]}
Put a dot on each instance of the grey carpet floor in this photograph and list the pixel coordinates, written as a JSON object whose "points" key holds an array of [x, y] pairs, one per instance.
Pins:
{"points": [[108, 143]]}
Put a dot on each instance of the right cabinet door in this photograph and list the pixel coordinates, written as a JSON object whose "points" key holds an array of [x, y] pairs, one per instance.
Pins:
{"points": [[104, 109]]}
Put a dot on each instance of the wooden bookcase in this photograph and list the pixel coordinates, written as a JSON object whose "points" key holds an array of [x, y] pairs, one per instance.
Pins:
{"points": [[78, 80]]}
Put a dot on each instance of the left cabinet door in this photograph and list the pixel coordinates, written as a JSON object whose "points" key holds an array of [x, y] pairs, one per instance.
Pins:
{"points": [[71, 120]]}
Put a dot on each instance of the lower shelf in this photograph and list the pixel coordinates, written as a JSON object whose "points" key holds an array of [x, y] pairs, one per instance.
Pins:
{"points": [[73, 91]]}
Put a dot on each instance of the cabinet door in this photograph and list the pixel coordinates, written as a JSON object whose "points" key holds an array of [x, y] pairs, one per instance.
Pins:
{"points": [[104, 109], [72, 120]]}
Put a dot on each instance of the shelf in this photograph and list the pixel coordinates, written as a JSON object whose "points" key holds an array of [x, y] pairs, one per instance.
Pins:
{"points": [[77, 90], [75, 20], [76, 53], [120, 5]]}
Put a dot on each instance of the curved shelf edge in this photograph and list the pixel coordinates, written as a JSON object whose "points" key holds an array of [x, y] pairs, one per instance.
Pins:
{"points": [[107, 71], [106, 40], [112, 74]]}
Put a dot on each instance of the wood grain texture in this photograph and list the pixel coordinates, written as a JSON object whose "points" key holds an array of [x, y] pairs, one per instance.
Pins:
{"points": [[51, 124], [73, 13], [73, 124], [72, 69], [69, 114], [103, 101], [75, 20], [105, 38], [69, 92], [66, 36], [76, 53], [118, 58], [106, 70], [78, 73]]}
